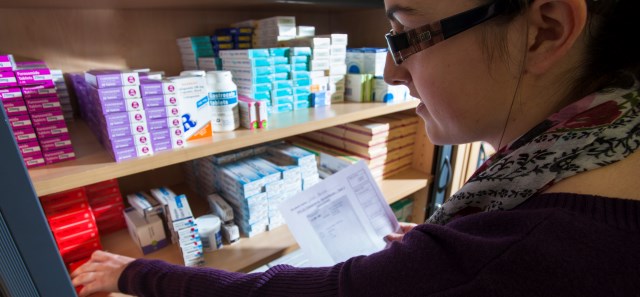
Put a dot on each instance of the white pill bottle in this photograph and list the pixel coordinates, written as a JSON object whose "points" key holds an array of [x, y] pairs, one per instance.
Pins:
{"points": [[223, 101]]}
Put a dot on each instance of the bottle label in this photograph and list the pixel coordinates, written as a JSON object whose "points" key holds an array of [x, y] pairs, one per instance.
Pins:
{"points": [[223, 98]]}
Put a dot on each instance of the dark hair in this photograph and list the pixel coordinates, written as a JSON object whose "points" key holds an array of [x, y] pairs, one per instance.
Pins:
{"points": [[611, 53]]}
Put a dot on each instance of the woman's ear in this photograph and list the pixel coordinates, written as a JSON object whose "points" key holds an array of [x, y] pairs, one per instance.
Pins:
{"points": [[555, 26]]}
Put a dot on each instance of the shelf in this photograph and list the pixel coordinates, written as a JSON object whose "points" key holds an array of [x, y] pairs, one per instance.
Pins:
{"points": [[95, 164], [188, 4], [250, 253]]}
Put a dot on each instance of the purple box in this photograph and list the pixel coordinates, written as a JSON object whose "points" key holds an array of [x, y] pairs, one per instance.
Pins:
{"points": [[40, 76], [115, 106], [30, 65], [25, 135], [125, 118], [115, 93], [59, 155], [20, 121], [160, 135], [9, 94], [126, 130], [151, 87], [111, 78], [15, 107], [132, 152], [164, 123], [128, 141], [45, 104], [159, 101], [53, 130], [7, 63], [29, 147], [55, 143], [7, 79], [154, 75], [47, 118], [29, 92], [163, 145], [162, 112], [34, 160]]}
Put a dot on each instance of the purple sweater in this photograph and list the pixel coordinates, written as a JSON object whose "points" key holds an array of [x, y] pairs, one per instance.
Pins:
{"points": [[552, 245]]}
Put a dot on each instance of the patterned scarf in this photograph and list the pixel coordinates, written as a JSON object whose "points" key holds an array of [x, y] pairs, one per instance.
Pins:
{"points": [[596, 131]]}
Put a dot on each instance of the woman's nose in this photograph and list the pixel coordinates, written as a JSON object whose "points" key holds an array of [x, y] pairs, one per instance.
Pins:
{"points": [[395, 74]]}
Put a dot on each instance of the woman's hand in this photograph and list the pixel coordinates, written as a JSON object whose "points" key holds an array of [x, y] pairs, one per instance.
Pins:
{"points": [[100, 273], [404, 228]]}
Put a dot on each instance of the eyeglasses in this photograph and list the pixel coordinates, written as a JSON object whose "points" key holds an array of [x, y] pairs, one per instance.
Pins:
{"points": [[403, 45]]}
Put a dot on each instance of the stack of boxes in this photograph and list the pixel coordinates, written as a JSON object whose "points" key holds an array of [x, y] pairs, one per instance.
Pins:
{"points": [[232, 38], [327, 66], [107, 206], [72, 223], [29, 97], [192, 49], [269, 76], [268, 32], [254, 181], [385, 143], [161, 106], [182, 225], [365, 80], [63, 94], [111, 104]]}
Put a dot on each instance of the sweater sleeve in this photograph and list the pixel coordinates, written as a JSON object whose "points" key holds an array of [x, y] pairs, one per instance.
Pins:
{"points": [[430, 259]]}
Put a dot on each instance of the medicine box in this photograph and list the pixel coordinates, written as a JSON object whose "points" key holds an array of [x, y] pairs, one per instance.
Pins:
{"points": [[111, 78], [147, 233]]}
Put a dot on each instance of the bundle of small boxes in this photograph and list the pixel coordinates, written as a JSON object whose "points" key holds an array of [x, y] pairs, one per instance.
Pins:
{"points": [[63, 94], [232, 38], [107, 205], [327, 66], [145, 222], [110, 103], [182, 225], [267, 32], [72, 223], [161, 105], [29, 97], [269, 76], [385, 143], [365, 80], [255, 181], [192, 49]]}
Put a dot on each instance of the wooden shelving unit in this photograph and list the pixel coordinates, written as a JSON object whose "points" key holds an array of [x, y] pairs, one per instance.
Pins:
{"points": [[250, 253], [94, 164]]}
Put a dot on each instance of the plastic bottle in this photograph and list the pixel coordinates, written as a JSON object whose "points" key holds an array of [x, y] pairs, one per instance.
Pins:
{"points": [[223, 100], [209, 228]]}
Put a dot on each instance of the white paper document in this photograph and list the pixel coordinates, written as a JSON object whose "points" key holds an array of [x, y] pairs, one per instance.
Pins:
{"points": [[341, 217]]}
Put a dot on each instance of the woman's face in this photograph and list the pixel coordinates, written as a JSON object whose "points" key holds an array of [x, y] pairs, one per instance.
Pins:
{"points": [[465, 96]]}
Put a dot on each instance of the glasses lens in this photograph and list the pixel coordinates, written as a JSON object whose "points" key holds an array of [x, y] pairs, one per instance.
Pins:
{"points": [[392, 47]]}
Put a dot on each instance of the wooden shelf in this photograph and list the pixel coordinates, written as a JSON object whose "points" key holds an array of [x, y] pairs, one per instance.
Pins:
{"points": [[250, 253], [95, 164]]}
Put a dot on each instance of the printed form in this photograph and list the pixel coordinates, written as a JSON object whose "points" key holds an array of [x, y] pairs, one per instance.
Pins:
{"points": [[341, 217]]}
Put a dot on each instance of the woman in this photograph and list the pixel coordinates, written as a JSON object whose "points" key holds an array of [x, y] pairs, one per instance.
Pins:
{"points": [[556, 212]]}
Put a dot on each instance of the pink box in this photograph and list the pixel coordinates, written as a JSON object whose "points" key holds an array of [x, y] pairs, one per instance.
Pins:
{"points": [[59, 155], [15, 107], [27, 148], [55, 143], [40, 76], [25, 135], [7, 79], [47, 118], [53, 130], [7, 63], [38, 91], [20, 121], [46, 104], [33, 160], [9, 94]]}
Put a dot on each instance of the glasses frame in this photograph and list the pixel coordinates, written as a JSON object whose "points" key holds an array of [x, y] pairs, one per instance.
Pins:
{"points": [[403, 45]]}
